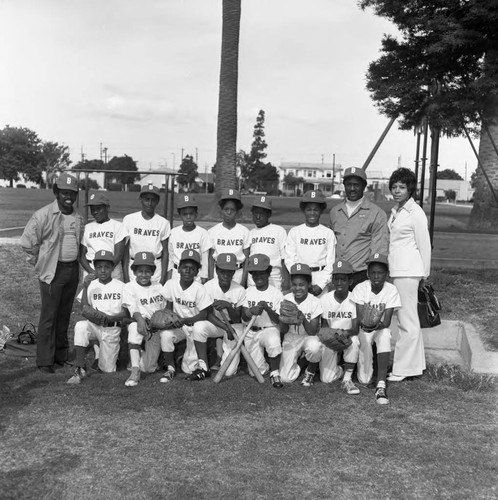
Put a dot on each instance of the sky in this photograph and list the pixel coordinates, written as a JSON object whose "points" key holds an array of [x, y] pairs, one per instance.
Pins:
{"points": [[141, 78]]}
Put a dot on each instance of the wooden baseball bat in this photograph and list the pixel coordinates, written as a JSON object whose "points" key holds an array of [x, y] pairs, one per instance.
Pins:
{"points": [[250, 362], [224, 367]]}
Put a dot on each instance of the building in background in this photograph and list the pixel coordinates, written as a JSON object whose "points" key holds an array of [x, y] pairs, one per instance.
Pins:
{"points": [[323, 176]]}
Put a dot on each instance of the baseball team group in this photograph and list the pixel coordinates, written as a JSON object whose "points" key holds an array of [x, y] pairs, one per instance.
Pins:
{"points": [[311, 300]]}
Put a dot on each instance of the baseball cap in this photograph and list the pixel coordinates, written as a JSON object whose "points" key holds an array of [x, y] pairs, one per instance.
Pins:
{"points": [[66, 181], [258, 262], [150, 188], [342, 267], [227, 261], [98, 199], [230, 194], [144, 259], [354, 172], [191, 255], [262, 202], [378, 257], [314, 196], [184, 200], [104, 255], [300, 269]]}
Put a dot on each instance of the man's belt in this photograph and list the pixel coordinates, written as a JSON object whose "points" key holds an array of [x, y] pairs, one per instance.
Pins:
{"points": [[318, 268]]}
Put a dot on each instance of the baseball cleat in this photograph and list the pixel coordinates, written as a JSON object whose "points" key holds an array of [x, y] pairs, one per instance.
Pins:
{"points": [[381, 396], [349, 387], [134, 378], [198, 374], [307, 379], [168, 376], [79, 375], [276, 381]]}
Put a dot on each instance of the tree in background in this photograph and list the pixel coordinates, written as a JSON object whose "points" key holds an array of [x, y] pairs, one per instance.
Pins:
{"points": [[227, 101], [292, 181], [257, 174], [444, 69], [121, 163], [55, 160], [449, 173], [450, 194], [187, 173], [20, 153], [93, 166]]}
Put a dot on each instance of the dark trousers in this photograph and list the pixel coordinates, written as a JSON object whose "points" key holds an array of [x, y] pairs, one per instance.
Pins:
{"points": [[56, 306]]}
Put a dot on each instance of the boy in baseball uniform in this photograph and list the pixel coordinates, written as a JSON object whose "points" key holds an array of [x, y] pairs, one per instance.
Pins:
{"points": [[227, 297], [190, 301], [312, 243], [301, 338], [269, 239], [106, 295], [188, 236], [142, 298], [379, 294], [229, 236], [147, 231], [263, 301], [339, 312], [103, 233]]}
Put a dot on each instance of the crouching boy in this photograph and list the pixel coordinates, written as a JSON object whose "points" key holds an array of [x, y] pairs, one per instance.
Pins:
{"points": [[301, 337], [104, 296], [190, 301], [339, 312], [263, 301], [376, 301]]}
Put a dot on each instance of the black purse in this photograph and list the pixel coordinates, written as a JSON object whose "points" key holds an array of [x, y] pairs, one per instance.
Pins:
{"points": [[23, 344], [428, 307]]}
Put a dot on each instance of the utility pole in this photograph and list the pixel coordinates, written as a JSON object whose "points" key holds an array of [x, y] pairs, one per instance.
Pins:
{"points": [[196, 156], [100, 151], [82, 155], [333, 172], [182, 154]]}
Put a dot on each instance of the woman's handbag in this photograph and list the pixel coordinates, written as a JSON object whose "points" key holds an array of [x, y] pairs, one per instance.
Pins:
{"points": [[428, 307], [23, 344]]}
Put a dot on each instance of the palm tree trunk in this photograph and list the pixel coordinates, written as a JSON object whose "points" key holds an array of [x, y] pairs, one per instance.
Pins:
{"points": [[227, 101]]}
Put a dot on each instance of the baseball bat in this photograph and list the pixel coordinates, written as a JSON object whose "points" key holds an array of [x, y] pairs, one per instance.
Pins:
{"points": [[224, 367], [250, 362]]}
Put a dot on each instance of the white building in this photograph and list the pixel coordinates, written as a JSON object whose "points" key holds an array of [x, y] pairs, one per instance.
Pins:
{"points": [[315, 176], [463, 190]]}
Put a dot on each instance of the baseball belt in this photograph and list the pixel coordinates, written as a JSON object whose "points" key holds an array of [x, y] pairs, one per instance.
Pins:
{"points": [[318, 268]]}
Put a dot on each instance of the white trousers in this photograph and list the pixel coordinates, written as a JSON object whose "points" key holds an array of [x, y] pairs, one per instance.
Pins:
{"points": [[107, 337], [382, 339], [292, 347], [329, 369], [257, 342], [409, 355]]}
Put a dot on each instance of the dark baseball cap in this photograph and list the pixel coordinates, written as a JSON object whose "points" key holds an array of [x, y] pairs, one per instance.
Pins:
{"points": [[191, 255], [66, 181], [378, 257], [144, 259], [104, 255], [342, 267], [184, 200], [258, 262], [97, 199], [354, 172], [227, 261], [262, 202], [314, 196], [150, 188], [300, 269]]}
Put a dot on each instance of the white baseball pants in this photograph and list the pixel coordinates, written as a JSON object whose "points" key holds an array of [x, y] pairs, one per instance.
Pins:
{"points": [[382, 339], [329, 369], [292, 347]]}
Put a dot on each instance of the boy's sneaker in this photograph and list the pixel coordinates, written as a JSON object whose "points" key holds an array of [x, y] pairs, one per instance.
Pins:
{"points": [[79, 375], [349, 387], [381, 396], [307, 379], [198, 374], [276, 381], [168, 376], [134, 378]]}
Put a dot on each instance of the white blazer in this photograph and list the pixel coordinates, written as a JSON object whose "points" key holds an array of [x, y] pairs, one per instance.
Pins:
{"points": [[409, 242]]}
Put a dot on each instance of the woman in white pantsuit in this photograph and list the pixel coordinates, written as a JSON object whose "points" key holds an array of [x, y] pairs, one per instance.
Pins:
{"points": [[409, 265]]}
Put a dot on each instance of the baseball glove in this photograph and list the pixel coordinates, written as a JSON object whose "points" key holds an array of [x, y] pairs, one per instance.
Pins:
{"points": [[371, 315], [95, 316], [334, 339], [289, 313], [162, 320]]}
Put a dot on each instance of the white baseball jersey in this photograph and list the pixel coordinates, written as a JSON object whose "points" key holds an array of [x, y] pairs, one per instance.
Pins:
{"points": [[102, 237], [271, 295], [234, 240], [389, 296], [189, 302], [314, 246], [198, 239], [143, 299], [338, 314], [235, 294], [270, 241], [146, 235], [107, 298], [310, 307]]}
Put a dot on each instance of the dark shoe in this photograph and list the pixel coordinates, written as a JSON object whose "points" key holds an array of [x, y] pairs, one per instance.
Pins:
{"points": [[95, 364], [276, 381], [198, 374], [61, 364], [46, 369]]}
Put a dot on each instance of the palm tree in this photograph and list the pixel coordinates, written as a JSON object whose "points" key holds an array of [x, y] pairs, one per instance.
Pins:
{"points": [[227, 101]]}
